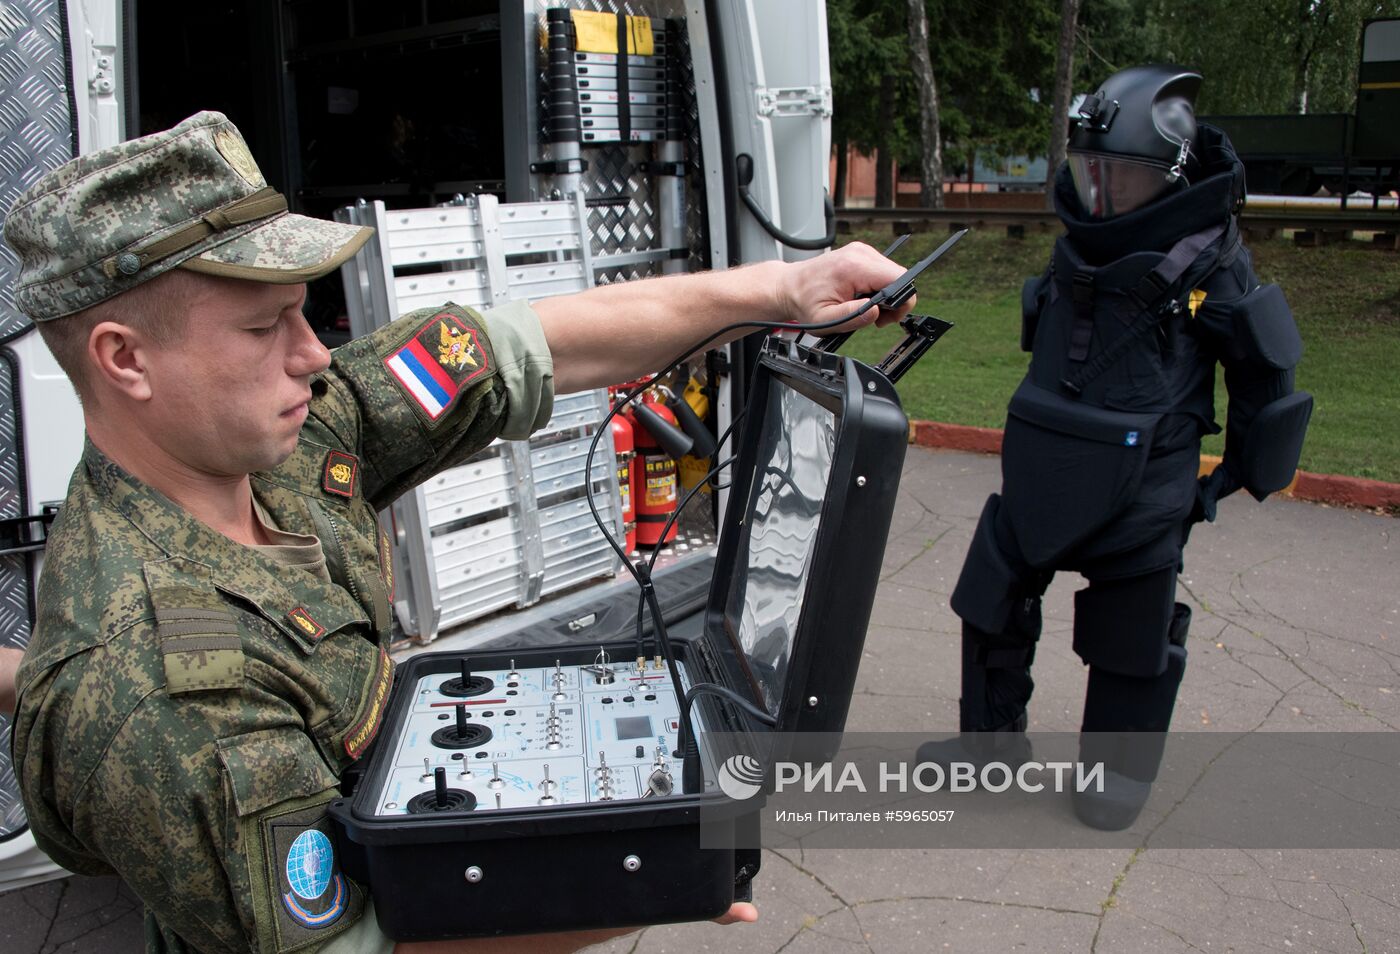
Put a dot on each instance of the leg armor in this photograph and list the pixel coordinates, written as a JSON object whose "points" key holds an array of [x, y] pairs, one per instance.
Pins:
{"points": [[998, 597], [1132, 634]]}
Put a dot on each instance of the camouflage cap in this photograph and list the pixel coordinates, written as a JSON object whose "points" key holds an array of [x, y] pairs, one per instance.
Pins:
{"points": [[191, 196]]}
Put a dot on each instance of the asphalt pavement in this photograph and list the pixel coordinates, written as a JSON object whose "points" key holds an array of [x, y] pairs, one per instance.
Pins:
{"points": [[1297, 628]]}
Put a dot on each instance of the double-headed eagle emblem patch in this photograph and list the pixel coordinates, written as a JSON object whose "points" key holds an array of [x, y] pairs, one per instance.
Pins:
{"points": [[456, 351]]}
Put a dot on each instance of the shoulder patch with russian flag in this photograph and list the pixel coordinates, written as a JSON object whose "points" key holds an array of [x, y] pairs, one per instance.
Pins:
{"points": [[439, 362]]}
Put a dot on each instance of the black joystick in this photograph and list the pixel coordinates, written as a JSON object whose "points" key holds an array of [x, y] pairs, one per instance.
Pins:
{"points": [[441, 798], [467, 685], [439, 788], [462, 735]]}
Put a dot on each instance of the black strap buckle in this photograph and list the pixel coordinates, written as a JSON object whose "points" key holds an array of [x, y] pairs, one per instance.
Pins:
{"points": [[658, 168], [558, 167], [1082, 331], [1083, 286], [26, 534]]}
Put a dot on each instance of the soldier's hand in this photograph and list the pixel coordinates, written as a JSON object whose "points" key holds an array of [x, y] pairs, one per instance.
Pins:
{"points": [[9, 665], [831, 285], [739, 912]]}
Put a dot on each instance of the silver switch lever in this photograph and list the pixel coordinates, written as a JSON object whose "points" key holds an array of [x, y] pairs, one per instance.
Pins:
{"points": [[659, 783], [546, 786]]}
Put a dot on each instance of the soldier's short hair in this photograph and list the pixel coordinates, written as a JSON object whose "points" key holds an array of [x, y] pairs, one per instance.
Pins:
{"points": [[155, 309]]}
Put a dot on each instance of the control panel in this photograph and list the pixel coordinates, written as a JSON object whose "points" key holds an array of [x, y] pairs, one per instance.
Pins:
{"points": [[559, 735]]}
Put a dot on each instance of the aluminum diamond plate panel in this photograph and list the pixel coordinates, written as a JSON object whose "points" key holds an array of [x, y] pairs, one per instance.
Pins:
{"points": [[36, 135], [15, 618], [630, 223], [36, 122]]}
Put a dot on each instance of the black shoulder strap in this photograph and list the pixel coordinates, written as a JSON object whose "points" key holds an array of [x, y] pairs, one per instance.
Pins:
{"points": [[1146, 297], [1081, 332]]}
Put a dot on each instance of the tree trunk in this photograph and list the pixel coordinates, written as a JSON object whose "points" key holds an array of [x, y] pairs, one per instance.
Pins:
{"points": [[930, 140], [884, 155], [1059, 104], [843, 152]]}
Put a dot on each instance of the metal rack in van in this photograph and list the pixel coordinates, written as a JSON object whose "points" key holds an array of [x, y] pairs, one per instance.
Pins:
{"points": [[511, 525]]}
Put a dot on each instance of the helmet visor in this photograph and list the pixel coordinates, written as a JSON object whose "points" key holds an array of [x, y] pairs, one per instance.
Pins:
{"points": [[1110, 186]]}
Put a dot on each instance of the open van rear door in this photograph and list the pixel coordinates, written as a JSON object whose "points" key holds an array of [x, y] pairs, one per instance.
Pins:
{"points": [[41, 424]]}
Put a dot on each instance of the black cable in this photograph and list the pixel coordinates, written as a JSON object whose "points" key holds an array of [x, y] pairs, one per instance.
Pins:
{"points": [[675, 514], [651, 564], [871, 302], [895, 291], [767, 718]]}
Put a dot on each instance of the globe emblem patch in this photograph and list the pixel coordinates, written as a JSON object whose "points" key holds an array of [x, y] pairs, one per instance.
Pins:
{"points": [[310, 864], [310, 871]]}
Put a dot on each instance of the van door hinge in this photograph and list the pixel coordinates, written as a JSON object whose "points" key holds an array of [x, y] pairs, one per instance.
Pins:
{"points": [[102, 71], [783, 101]]}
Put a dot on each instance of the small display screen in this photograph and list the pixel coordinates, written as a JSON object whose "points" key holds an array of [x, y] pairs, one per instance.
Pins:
{"points": [[781, 519], [634, 727]]}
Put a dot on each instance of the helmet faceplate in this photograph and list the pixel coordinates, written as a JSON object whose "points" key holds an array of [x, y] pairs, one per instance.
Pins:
{"points": [[1132, 139]]}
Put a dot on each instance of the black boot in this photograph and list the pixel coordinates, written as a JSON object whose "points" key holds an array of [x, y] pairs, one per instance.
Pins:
{"points": [[996, 686], [1125, 724]]}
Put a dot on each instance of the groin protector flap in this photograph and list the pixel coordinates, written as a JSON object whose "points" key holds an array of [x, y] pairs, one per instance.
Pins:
{"points": [[1068, 469]]}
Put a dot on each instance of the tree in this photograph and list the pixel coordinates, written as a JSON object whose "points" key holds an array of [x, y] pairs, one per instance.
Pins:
{"points": [[993, 59], [1270, 56], [1059, 102], [931, 156], [869, 105]]}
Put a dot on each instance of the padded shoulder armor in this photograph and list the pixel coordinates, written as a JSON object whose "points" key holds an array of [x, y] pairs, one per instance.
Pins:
{"points": [[1265, 328]]}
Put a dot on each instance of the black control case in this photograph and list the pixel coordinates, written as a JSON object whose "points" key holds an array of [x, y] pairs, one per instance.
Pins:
{"points": [[639, 861]]}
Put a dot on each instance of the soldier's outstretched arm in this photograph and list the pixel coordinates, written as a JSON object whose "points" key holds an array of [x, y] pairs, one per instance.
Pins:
{"points": [[617, 332]]}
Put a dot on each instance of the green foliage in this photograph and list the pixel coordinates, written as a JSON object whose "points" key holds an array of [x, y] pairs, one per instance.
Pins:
{"points": [[1267, 56], [1343, 296], [994, 62], [1113, 35], [865, 42]]}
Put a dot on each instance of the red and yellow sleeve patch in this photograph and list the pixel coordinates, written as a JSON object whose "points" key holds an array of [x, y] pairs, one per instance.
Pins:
{"points": [[302, 620], [362, 733], [386, 562], [438, 362], [338, 476]]}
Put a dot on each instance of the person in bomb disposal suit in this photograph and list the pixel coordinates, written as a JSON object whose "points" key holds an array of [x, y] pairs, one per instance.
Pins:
{"points": [[1147, 289], [214, 613]]}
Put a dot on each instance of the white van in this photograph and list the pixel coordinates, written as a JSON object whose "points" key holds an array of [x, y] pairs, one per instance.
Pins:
{"points": [[349, 103]]}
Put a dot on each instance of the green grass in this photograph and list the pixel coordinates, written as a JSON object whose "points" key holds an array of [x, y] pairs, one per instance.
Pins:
{"points": [[1346, 298]]}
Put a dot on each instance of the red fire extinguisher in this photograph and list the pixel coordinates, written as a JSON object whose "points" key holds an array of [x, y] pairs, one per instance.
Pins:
{"points": [[622, 433], [659, 442]]}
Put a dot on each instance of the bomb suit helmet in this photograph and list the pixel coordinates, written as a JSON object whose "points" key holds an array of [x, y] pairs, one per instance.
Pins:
{"points": [[1132, 141]]}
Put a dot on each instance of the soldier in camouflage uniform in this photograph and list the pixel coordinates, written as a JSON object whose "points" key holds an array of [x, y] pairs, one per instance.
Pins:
{"points": [[210, 652]]}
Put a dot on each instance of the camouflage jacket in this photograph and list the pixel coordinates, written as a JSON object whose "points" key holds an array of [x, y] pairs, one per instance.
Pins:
{"points": [[187, 705]]}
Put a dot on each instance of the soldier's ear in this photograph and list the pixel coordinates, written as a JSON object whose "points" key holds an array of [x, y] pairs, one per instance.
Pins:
{"points": [[117, 359]]}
